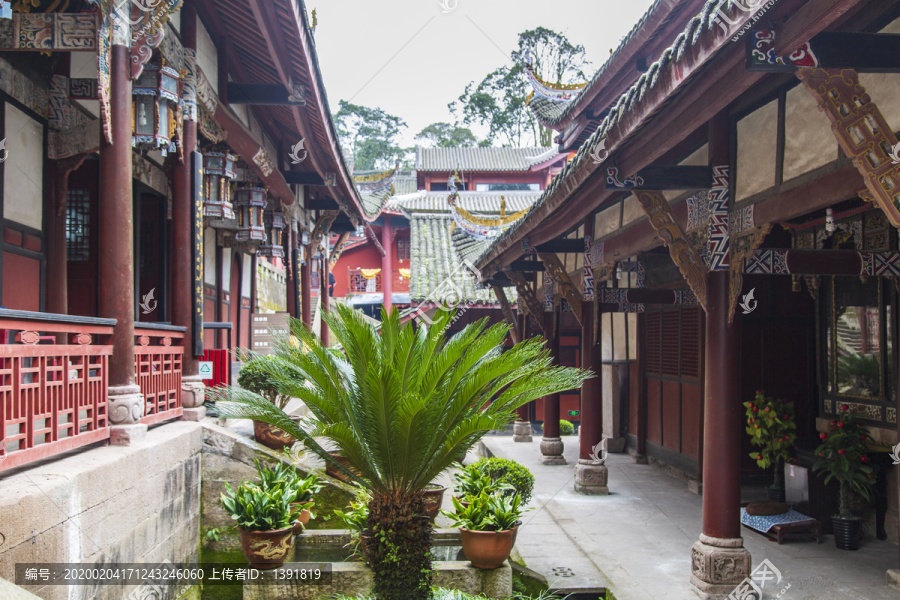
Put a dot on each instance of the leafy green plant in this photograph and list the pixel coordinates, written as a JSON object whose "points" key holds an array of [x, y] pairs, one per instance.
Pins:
{"points": [[508, 473], [487, 512], [258, 509], [401, 405], [843, 455], [772, 429], [471, 482], [565, 427], [213, 534], [254, 377]]}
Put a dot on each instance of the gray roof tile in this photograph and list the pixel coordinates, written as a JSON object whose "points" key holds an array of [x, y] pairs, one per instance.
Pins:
{"points": [[476, 159]]}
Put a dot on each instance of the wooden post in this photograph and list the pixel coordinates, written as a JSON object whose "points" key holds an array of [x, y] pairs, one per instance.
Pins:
{"points": [[387, 264], [290, 299], [551, 444], [720, 540], [591, 476], [323, 293], [116, 263], [640, 453], [305, 291]]}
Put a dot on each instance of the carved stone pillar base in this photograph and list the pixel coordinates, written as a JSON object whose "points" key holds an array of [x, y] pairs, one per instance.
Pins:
{"points": [[552, 449], [193, 392], [718, 566], [640, 459], [126, 407], [591, 479], [522, 431], [193, 414], [893, 578]]}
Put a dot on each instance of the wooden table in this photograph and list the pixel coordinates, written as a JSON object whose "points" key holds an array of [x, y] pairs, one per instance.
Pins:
{"points": [[810, 526]]}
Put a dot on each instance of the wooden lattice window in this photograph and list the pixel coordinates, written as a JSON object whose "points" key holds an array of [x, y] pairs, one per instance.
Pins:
{"points": [[78, 226], [403, 249], [361, 285]]}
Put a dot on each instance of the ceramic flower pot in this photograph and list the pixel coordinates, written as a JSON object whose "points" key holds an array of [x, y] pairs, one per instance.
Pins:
{"points": [[266, 549], [847, 532], [487, 549], [303, 518], [434, 497], [273, 437], [333, 471]]}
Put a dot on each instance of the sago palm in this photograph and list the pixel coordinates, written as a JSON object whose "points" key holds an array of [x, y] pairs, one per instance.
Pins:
{"points": [[402, 405]]}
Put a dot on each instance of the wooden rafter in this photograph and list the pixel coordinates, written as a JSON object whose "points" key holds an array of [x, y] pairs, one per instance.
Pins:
{"points": [[683, 254], [567, 287]]}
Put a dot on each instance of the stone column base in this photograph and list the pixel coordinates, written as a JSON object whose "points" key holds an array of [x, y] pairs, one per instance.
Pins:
{"points": [[552, 449], [640, 459], [125, 409], [193, 414], [718, 566], [193, 391], [893, 578], [522, 431], [615, 445], [591, 479]]}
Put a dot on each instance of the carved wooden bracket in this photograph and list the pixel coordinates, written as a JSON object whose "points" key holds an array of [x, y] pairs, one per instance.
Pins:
{"points": [[339, 247], [683, 253], [568, 289], [743, 246], [861, 130], [527, 299], [508, 313], [323, 224]]}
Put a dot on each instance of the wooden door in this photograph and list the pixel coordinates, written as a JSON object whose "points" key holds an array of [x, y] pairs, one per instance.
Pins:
{"points": [[81, 239]]}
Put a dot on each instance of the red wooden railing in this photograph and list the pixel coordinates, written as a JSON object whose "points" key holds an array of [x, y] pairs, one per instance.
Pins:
{"points": [[158, 352], [53, 384]]}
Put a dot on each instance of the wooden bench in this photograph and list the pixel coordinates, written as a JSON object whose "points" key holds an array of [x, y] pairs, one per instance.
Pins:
{"points": [[810, 527]]}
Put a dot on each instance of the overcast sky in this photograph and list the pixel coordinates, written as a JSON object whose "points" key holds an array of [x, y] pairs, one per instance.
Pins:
{"points": [[411, 58]]}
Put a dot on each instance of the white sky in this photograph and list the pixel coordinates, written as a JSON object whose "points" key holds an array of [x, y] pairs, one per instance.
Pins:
{"points": [[371, 54]]}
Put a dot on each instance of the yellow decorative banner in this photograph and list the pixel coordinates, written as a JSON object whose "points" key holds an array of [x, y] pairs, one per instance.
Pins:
{"points": [[370, 273]]}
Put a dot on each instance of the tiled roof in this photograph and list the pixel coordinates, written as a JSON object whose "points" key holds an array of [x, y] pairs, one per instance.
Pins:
{"points": [[476, 159], [441, 253], [580, 168], [478, 202], [551, 113], [374, 202]]}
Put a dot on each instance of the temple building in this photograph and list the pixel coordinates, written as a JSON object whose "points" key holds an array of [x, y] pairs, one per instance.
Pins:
{"points": [[728, 224]]}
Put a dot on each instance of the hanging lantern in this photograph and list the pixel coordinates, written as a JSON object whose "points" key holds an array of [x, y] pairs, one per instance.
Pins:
{"points": [[304, 238], [155, 97], [218, 171], [250, 201], [274, 222]]}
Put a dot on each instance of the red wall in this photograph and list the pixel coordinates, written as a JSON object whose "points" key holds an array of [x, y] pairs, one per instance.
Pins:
{"points": [[21, 282], [368, 257]]}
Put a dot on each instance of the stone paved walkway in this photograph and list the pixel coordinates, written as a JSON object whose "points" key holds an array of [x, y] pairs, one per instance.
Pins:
{"points": [[637, 540]]}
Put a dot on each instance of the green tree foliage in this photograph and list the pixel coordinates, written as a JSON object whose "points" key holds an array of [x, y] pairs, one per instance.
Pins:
{"points": [[401, 404], [370, 136], [844, 455], [498, 102], [772, 429], [445, 135]]}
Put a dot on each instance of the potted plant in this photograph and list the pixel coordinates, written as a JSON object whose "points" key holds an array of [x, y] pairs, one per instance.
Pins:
{"points": [[265, 521], [471, 482], [400, 404], [842, 455], [356, 519], [302, 489], [434, 497], [488, 528], [509, 476], [772, 429], [253, 377]]}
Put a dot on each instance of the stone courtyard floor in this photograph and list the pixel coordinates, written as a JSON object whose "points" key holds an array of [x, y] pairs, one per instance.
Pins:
{"points": [[637, 541]]}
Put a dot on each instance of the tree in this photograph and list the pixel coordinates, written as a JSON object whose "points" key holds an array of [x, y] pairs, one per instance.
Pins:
{"points": [[498, 102], [369, 136], [445, 135], [401, 405]]}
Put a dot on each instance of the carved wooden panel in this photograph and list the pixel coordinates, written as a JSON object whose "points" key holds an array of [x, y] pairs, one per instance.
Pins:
{"points": [[527, 298], [568, 289]]}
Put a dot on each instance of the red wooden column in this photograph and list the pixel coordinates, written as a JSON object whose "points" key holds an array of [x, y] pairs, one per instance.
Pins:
{"points": [[324, 296], [640, 453], [305, 287], [591, 475], [116, 262], [183, 284], [387, 264], [551, 443], [291, 299], [57, 259], [720, 540], [522, 426]]}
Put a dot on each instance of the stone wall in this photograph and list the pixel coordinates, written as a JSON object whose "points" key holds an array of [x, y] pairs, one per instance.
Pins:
{"points": [[113, 504]]}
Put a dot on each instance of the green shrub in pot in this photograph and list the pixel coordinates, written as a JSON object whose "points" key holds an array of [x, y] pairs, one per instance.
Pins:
{"points": [[509, 472]]}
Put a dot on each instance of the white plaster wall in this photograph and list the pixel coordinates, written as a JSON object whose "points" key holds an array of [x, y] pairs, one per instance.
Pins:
{"points": [[808, 141], [226, 270], [207, 56], [884, 89], [631, 210], [696, 159], [620, 339], [23, 187], [607, 221], [175, 21], [84, 66], [248, 276], [756, 147], [209, 256]]}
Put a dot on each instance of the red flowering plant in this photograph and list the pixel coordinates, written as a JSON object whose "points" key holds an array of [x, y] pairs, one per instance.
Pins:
{"points": [[842, 455], [773, 430]]}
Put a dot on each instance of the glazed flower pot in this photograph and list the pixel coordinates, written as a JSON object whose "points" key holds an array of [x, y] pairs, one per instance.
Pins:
{"points": [[434, 497], [266, 549], [333, 471], [303, 519], [487, 549], [847, 532], [775, 494], [273, 437]]}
